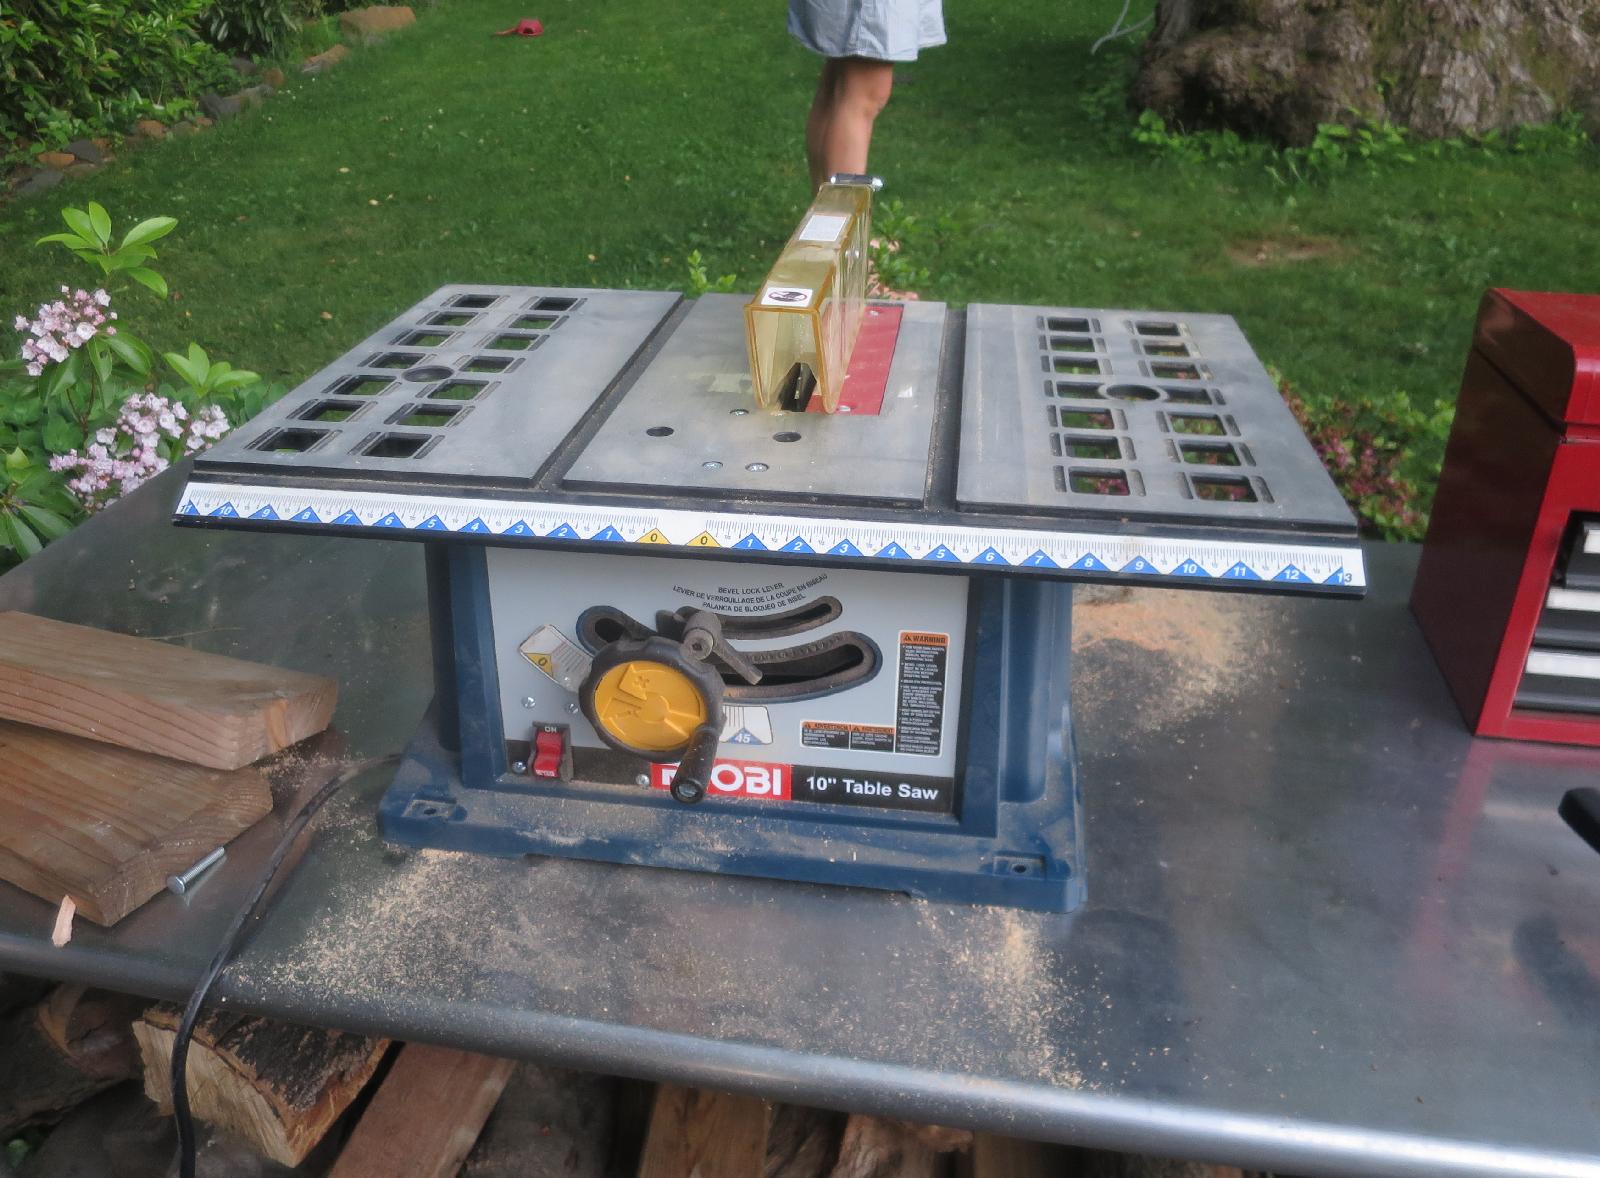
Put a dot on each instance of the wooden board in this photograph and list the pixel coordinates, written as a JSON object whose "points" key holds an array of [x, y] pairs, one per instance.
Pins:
{"points": [[425, 1116], [696, 1133], [107, 826], [154, 697], [277, 1085]]}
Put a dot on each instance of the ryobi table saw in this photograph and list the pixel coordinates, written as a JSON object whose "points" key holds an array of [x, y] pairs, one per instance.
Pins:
{"points": [[845, 635]]}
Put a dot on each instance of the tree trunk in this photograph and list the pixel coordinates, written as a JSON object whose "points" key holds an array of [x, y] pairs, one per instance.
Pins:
{"points": [[1277, 68]]}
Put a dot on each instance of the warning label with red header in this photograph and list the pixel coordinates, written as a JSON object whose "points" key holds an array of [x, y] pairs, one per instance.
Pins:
{"points": [[919, 718], [860, 738]]}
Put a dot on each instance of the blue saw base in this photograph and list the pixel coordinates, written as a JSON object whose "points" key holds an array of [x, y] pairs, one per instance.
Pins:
{"points": [[1013, 839], [1033, 861]]}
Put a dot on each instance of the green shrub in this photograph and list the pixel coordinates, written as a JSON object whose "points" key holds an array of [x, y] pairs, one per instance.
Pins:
{"points": [[72, 67], [259, 28]]}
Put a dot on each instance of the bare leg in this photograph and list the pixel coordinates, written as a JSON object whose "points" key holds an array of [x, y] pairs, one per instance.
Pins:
{"points": [[850, 93]]}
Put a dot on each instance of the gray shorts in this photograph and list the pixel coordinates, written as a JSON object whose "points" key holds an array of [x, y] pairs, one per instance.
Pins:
{"points": [[883, 30]]}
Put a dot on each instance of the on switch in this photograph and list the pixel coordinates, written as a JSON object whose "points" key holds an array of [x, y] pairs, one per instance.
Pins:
{"points": [[549, 746]]}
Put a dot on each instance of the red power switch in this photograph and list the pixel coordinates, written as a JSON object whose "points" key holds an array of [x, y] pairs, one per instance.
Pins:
{"points": [[549, 746]]}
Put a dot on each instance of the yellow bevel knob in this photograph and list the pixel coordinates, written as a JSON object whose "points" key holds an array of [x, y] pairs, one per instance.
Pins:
{"points": [[649, 706]]}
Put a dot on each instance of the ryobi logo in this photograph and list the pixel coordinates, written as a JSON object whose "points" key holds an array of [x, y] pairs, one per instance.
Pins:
{"points": [[736, 779]]}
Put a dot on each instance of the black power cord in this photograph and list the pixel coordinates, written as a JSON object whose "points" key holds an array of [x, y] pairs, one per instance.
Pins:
{"points": [[179, 1074]]}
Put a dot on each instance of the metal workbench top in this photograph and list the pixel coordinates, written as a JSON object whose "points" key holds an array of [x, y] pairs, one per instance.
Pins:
{"points": [[1327, 932]]}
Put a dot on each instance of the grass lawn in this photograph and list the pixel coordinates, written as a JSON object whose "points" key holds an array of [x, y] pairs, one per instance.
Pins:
{"points": [[632, 133]]}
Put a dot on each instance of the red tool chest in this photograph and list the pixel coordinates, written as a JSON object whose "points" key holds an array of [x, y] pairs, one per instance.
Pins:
{"points": [[1508, 591]]}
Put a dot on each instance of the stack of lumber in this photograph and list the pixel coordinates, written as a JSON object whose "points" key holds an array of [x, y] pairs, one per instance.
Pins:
{"points": [[123, 760]]}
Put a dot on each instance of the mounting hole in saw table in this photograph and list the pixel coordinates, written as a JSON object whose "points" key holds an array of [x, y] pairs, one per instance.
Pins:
{"points": [[712, 464], [426, 373], [738, 412], [787, 435], [659, 431], [755, 467], [1133, 392]]}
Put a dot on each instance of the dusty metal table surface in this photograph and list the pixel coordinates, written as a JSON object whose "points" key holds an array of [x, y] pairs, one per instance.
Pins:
{"points": [[1327, 933]]}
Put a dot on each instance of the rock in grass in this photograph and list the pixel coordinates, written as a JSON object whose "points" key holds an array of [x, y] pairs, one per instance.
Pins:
{"points": [[325, 60], [243, 65], [218, 107], [273, 77], [42, 181], [59, 161], [87, 151], [377, 22], [184, 128], [150, 129], [82, 169]]}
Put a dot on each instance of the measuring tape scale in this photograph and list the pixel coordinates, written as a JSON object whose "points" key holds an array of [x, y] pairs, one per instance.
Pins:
{"points": [[1144, 556]]}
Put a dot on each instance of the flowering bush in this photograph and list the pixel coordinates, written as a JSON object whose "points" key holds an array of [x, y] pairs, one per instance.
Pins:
{"points": [[63, 325], [92, 417], [150, 432], [1384, 457]]}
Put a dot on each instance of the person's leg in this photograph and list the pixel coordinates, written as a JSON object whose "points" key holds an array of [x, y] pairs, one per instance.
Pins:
{"points": [[844, 132], [817, 122]]}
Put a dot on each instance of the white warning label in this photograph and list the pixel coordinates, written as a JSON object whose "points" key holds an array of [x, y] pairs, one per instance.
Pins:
{"points": [[823, 228], [786, 296]]}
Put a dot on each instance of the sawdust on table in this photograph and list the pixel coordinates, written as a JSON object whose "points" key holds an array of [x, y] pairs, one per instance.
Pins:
{"points": [[1197, 649]]}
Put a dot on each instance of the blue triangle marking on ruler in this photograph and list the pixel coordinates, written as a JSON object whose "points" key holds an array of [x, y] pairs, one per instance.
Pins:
{"points": [[1090, 563], [892, 551], [189, 508], [1291, 573], [264, 513], [432, 524], [349, 519], [608, 534], [797, 545], [844, 548], [1337, 578], [989, 556], [390, 521], [1038, 560], [1241, 572], [306, 516], [226, 511], [751, 543], [564, 532], [942, 553], [1190, 568], [476, 526], [1138, 565], [520, 528], [743, 736]]}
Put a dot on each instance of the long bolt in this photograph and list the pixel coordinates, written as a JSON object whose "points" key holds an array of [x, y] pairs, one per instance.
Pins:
{"points": [[179, 884]]}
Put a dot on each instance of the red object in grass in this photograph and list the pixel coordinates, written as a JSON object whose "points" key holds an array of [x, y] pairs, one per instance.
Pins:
{"points": [[523, 28]]}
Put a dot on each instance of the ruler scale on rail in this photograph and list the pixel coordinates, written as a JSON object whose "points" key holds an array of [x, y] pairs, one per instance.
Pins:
{"points": [[845, 634]]}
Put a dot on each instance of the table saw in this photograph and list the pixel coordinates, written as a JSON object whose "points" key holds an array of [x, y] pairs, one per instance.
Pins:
{"points": [[843, 637]]}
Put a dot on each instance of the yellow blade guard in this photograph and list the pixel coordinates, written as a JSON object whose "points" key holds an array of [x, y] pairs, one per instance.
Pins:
{"points": [[802, 324]]}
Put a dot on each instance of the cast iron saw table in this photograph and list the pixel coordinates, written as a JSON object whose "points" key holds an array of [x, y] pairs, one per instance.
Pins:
{"points": [[1330, 934]]}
